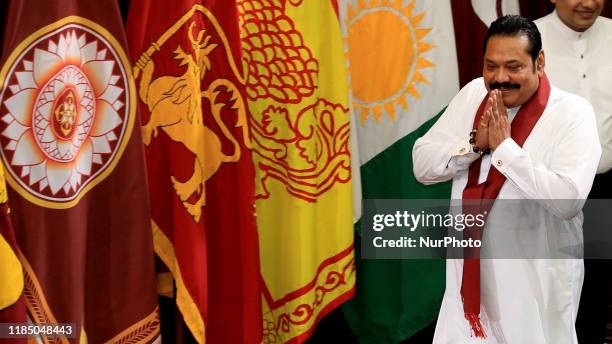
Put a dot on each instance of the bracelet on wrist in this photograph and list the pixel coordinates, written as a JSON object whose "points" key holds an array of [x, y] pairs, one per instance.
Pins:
{"points": [[476, 149]]}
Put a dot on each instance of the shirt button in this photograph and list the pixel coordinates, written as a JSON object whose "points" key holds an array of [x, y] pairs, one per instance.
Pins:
{"points": [[583, 76], [462, 150], [498, 162], [581, 56]]}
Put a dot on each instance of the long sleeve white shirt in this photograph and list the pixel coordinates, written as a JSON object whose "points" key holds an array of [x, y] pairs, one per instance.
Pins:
{"points": [[581, 63], [523, 300]]}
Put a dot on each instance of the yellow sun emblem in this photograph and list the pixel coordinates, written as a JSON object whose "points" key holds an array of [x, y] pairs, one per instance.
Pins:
{"points": [[384, 48]]}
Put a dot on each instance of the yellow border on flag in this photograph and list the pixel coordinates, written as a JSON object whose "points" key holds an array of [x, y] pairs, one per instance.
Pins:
{"points": [[191, 313]]}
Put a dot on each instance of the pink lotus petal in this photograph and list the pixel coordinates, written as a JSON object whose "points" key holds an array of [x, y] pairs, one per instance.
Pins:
{"points": [[100, 145], [106, 119], [25, 80], [14, 131], [99, 74], [57, 175], [62, 46], [46, 65], [27, 152], [111, 94], [37, 173], [73, 52], [89, 52], [84, 160], [21, 104]]}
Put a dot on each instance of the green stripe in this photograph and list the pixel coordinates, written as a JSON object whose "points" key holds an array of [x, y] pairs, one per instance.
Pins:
{"points": [[389, 174], [395, 298]]}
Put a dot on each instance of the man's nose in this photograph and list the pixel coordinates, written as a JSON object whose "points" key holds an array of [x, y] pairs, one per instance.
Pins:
{"points": [[501, 75], [587, 4]]}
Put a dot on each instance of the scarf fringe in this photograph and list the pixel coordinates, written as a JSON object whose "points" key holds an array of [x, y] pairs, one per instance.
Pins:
{"points": [[476, 325]]}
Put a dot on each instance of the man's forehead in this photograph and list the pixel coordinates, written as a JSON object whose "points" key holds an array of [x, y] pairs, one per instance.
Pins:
{"points": [[503, 60], [507, 47]]}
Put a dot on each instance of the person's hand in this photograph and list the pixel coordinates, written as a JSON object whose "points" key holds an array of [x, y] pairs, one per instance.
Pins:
{"points": [[499, 124], [482, 134]]}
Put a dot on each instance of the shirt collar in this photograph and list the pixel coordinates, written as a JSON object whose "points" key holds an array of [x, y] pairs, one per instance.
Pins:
{"points": [[568, 33], [512, 112]]}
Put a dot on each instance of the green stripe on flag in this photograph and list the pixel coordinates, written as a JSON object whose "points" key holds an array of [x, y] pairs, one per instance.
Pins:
{"points": [[395, 298]]}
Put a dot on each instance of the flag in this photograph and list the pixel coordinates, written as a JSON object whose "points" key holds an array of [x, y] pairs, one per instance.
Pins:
{"points": [[11, 276], [471, 20], [75, 169], [200, 171], [403, 71], [12, 307], [10, 271], [299, 121]]}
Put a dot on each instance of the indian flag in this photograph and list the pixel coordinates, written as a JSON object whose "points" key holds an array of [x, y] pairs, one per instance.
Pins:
{"points": [[402, 67]]}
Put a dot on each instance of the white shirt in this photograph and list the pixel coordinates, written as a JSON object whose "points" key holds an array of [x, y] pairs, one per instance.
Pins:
{"points": [[581, 63], [523, 300]]}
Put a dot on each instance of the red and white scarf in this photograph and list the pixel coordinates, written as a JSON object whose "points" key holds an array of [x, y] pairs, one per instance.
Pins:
{"points": [[487, 192]]}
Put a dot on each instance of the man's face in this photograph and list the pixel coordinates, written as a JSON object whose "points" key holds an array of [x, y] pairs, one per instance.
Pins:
{"points": [[578, 15], [508, 66]]}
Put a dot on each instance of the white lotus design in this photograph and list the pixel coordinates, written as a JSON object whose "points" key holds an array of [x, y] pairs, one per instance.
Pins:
{"points": [[63, 113]]}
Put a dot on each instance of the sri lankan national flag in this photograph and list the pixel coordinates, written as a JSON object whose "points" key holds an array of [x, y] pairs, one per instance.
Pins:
{"points": [[75, 170], [299, 121], [200, 172]]}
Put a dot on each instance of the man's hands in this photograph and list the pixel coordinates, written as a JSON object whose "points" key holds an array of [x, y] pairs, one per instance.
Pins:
{"points": [[482, 134], [494, 126], [499, 124]]}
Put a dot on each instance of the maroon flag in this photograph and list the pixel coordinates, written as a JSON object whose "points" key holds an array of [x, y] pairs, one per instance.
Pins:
{"points": [[471, 20], [73, 159]]}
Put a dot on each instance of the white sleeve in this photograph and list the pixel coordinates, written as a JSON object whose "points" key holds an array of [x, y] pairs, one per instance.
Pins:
{"points": [[564, 182], [445, 149], [604, 125]]}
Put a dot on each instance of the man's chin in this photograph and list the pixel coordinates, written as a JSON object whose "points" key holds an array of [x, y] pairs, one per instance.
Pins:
{"points": [[509, 100]]}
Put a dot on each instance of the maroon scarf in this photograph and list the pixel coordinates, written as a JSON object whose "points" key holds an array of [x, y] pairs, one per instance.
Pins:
{"points": [[487, 192]]}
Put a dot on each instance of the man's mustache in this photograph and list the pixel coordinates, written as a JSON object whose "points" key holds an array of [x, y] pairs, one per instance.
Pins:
{"points": [[504, 85]]}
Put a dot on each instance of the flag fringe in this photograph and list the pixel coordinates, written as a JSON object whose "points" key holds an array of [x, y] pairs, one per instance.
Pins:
{"points": [[476, 325]]}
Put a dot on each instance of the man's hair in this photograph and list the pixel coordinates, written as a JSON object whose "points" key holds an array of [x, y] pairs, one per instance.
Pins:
{"points": [[515, 25]]}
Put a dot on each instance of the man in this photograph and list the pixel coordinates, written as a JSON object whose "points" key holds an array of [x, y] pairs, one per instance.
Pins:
{"points": [[578, 45], [550, 152]]}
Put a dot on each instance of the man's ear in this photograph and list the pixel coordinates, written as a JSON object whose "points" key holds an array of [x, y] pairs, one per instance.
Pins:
{"points": [[540, 63]]}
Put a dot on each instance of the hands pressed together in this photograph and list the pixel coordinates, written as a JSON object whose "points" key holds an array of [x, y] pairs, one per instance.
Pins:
{"points": [[494, 125]]}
